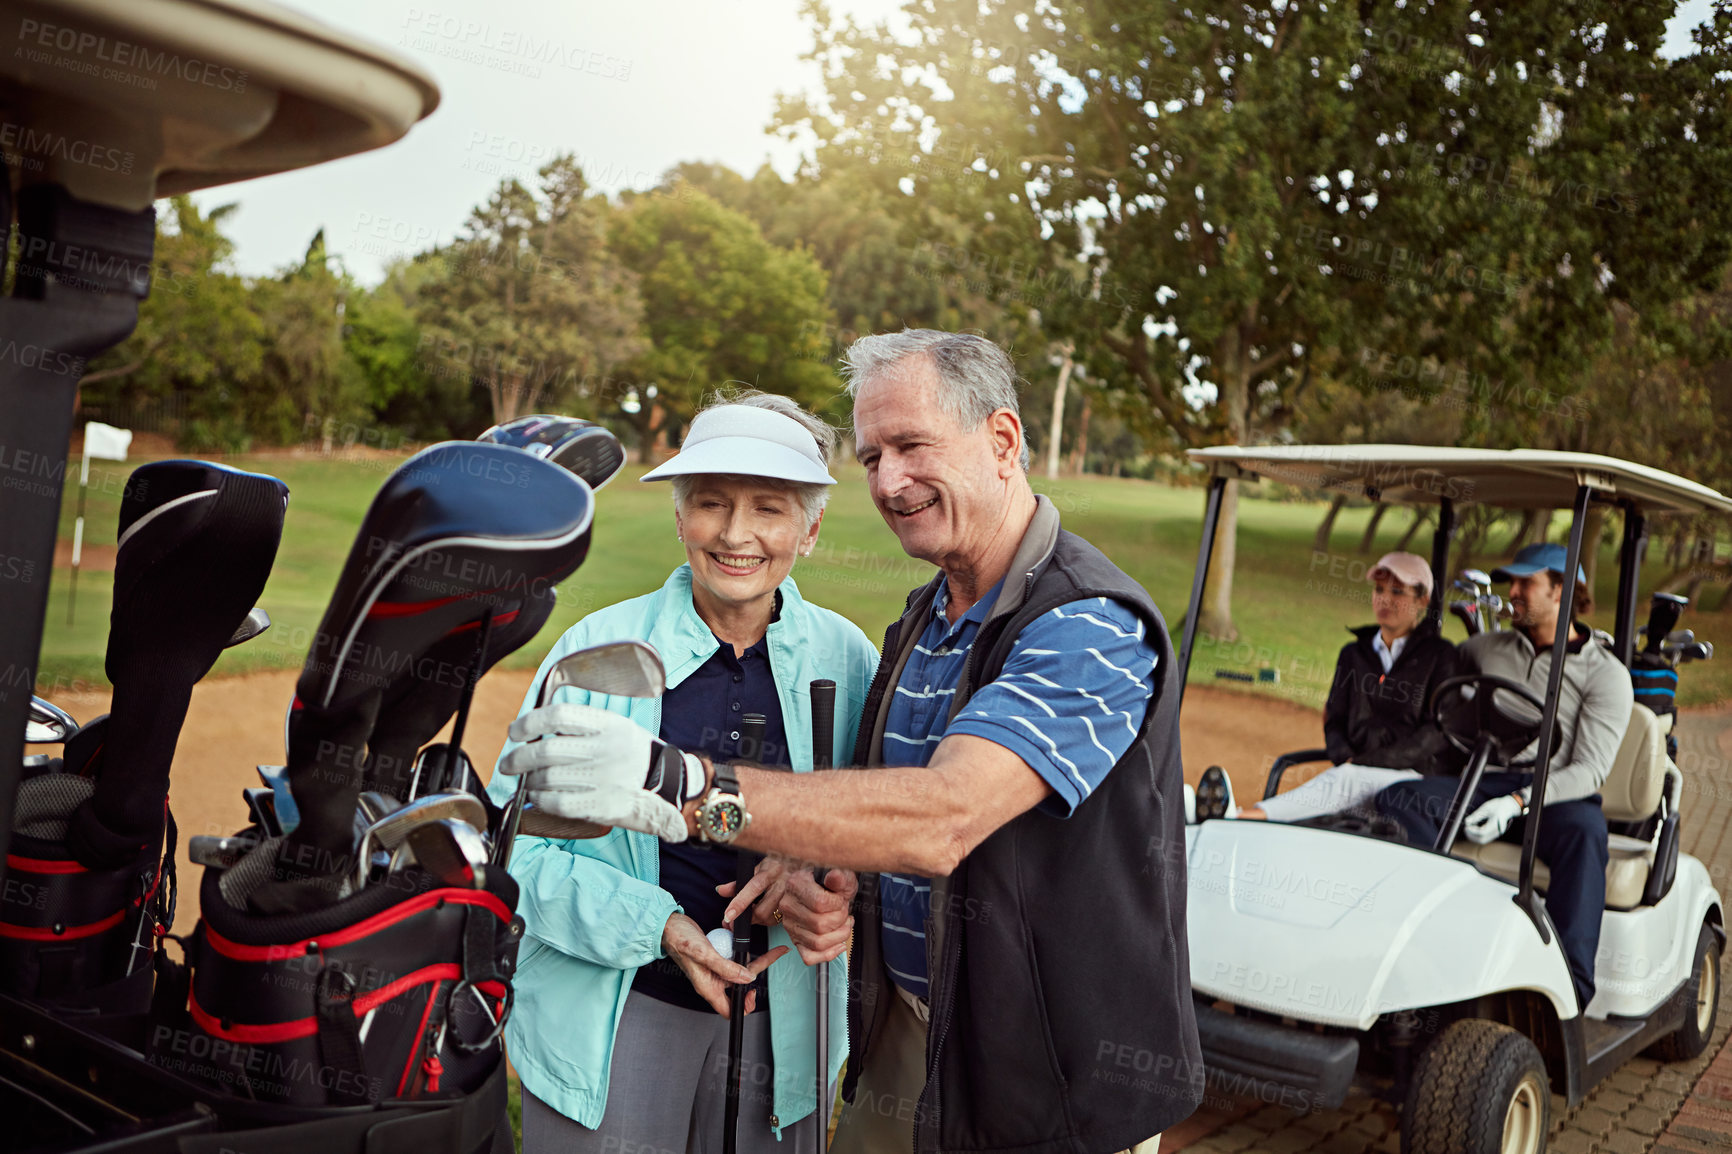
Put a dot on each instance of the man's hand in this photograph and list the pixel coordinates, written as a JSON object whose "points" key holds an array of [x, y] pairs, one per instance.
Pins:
{"points": [[815, 916], [583, 762], [709, 972], [1489, 821]]}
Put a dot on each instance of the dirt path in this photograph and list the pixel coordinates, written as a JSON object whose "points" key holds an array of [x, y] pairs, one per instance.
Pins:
{"points": [[237, 722]]}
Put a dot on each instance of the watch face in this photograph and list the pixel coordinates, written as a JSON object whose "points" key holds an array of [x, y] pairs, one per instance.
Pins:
{"points": [[723, 819]]}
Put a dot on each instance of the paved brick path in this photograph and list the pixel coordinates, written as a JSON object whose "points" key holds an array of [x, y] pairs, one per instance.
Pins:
{"points": [[1645, 1107]]}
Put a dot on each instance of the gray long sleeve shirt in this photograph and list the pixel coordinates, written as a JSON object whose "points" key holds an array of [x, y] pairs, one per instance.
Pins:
{"points": [[1593, 705]]}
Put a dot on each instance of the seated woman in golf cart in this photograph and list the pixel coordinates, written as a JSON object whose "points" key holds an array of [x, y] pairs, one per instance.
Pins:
{"points": [[1375, 724], [620, 1034]]}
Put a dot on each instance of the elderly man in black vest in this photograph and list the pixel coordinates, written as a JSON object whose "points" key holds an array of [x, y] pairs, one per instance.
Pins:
{"points": [[1020, 749]]}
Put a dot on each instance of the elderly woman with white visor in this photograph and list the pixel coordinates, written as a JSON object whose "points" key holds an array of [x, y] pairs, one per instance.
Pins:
{"points": [[620, 1030]]}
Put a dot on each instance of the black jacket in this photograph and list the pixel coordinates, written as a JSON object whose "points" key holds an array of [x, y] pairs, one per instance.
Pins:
{"points": [[1062, 1020], [1384, 719]]}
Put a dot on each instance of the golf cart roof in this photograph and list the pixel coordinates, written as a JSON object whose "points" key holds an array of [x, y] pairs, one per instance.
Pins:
{"points": [[1422, 474], [194, 93]]}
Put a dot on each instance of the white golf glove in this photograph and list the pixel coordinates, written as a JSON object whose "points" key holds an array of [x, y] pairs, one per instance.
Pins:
{"points": [[589, 764], [1488, 822]]}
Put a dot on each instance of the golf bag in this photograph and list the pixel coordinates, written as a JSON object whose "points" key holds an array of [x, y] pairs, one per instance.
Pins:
{"points": [[90, 885], [398, 992], [1655, 682], [313, 982]]}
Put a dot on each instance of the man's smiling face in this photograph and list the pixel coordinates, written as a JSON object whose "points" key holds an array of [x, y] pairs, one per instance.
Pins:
{"points": [[940, 488]]}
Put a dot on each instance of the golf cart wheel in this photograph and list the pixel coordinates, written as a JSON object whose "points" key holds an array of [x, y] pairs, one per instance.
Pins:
{"points": [[1701, 999], [1481, 1088]]}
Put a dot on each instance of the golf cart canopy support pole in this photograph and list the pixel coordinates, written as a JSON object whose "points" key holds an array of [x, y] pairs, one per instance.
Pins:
{"points": [[1548, 719], [57, 327], [1440, 557], [1629, 572], [1200, 578]]}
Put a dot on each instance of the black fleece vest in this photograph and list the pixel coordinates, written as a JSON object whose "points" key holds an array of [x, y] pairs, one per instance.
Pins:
{"points": [[1060, 975]]}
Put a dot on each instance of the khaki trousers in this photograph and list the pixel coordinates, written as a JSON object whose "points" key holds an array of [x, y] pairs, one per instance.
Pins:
{"points": [[881, 1118]]}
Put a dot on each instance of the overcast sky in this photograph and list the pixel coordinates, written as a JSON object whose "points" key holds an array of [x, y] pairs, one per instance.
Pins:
{"points": [[675, 80]]}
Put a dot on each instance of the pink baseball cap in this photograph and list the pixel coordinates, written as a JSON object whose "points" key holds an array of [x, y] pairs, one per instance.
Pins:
{"points": [[1410, 569]]}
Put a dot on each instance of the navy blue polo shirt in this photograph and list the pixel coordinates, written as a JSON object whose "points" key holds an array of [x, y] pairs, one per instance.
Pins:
{"points": [[1069, 702], [702, 715]]}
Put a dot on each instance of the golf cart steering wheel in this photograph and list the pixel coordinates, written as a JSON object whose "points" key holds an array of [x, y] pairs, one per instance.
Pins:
{"points": [[1510, 735]]}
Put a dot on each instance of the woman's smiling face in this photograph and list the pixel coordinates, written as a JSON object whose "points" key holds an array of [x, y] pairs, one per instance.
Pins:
{"points": [[741, 535]]}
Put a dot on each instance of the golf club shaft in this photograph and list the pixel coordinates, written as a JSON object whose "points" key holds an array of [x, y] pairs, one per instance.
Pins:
{"points": [[823, 693], [752, 729], [468, 698]]}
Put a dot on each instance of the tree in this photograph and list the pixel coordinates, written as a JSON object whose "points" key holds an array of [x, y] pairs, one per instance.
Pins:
{"points": [[1228, 199], [407, 399], [198, 335], [721, 305], [530, 303], [307, 379]]}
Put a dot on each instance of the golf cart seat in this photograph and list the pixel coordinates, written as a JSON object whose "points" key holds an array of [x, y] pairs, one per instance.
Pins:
{"points": [[1632, 792]]}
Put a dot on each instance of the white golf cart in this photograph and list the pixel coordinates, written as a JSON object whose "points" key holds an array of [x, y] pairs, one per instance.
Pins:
{"points": [[1325, 957]]}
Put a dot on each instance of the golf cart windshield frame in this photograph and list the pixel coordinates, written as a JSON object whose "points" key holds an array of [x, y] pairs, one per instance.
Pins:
{"points": [[1424, 476]]}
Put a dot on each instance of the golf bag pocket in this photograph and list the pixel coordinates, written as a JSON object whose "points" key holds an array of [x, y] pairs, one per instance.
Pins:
{"points": [[72, 937], [1655, 682], [400, 991]]}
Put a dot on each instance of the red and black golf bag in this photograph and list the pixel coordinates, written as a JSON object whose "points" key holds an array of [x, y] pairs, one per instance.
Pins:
{"points": [[317, 976]]}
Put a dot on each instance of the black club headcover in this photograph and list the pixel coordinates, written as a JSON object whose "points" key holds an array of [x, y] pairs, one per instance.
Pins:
{"points": [[197, 541]]}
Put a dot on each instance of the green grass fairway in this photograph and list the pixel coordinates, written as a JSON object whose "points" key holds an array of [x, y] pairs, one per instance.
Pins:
{"points": [[1291, 606]]}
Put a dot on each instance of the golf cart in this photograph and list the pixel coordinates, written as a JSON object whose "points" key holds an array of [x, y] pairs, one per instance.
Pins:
{"points": [[1329, 957]]}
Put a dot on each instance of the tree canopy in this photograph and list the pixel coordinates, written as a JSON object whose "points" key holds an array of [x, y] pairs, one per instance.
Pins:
{"points": [[1218, 201]]}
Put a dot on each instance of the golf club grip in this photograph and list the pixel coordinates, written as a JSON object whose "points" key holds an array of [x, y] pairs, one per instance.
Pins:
{"points": [[538, 824], [823, 692], [752, 729]]}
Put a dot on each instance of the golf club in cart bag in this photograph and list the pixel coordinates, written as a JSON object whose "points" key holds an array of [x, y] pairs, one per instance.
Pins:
{"points": [[92, 837]]}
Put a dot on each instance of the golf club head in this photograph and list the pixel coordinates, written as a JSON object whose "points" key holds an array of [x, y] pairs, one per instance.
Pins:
{"points": [[461, 532], [624, 668], [1468, 614], [48, 723], [1477, 578], [435, 772], [1664, 609], [393, 829], [255, 623], [1680, 637], [621, 668], [195, 545], [587, 449], [376, 805], [451, 851], [1695, 651]]}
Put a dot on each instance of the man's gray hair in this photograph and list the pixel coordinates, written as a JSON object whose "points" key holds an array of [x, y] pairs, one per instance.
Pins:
{"points": [[976, 378], [812, 498]]}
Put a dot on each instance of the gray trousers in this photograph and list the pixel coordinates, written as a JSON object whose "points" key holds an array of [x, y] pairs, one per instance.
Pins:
{"points": [[667, 1088]]}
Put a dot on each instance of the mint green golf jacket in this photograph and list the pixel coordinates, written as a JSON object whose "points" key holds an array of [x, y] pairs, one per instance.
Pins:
{"points": [[593, 909]]}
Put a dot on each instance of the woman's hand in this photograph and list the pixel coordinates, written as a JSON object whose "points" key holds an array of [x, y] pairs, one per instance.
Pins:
{"points": [[711, 973], [815, 916]]}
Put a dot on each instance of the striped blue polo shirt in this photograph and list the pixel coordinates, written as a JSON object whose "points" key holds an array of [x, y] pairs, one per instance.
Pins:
{"points": [[1069, 702]]}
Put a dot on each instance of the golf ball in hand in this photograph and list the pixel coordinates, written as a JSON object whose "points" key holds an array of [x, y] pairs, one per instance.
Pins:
{"points": [[723, 940]]}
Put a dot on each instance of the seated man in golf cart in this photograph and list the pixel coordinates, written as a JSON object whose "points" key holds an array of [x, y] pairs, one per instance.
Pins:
{"points": [[1594, 706], [1376, 727]]}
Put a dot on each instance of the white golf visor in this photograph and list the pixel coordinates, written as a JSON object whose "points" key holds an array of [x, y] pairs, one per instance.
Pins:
{"points": [[749, 442]]}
